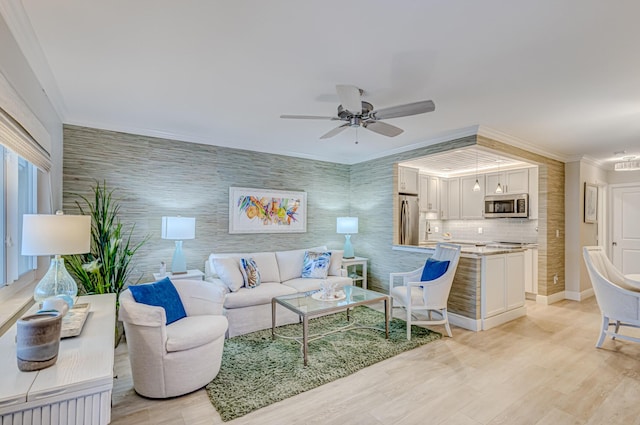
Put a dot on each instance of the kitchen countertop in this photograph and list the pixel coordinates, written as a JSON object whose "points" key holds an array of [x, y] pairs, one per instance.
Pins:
{"points": [[470, 249]]}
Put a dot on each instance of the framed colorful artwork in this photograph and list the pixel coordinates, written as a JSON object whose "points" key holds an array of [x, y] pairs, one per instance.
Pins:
{"points": [[267, 211]]}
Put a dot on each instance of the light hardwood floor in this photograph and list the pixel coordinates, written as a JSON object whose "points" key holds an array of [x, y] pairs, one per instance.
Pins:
{"points": [[540, 369]]}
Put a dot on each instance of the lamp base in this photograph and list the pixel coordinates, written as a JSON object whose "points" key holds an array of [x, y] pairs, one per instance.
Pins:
{"points": [[348, 248], [57, 282], [179, 263]]}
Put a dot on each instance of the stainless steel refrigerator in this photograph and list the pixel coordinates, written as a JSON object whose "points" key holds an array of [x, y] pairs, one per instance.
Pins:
{"points": [[409, 219]]}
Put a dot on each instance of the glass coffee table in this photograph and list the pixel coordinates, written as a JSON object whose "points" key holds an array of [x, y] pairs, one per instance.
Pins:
{"points": [[308, 305]]}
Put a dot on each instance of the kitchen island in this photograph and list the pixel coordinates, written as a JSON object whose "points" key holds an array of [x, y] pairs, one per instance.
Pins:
{"points": [[489, 285]]}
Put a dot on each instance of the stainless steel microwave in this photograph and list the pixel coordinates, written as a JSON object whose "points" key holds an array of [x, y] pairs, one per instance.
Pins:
{"points": [[506, 206]]}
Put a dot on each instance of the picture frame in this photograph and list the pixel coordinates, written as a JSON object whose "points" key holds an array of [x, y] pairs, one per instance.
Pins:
{"points": [[590, 203], [253, 210]]}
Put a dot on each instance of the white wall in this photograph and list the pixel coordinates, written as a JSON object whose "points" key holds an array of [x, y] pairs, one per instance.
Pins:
{"points": [[572, 218], [577, 232], [618, 177], [592, 174]]}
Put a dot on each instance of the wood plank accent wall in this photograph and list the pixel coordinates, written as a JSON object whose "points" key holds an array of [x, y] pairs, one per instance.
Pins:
{"points": [[157, 177]]}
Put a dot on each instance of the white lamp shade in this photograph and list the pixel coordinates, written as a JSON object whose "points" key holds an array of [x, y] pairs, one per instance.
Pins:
{"points": [[57, 234], [178, 228], [347, 225]]}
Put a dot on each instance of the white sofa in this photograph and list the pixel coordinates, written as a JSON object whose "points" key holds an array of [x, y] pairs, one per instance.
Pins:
{"points": [[249, 309]]}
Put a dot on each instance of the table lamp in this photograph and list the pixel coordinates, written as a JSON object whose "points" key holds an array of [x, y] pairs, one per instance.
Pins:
{"points": [[56, 234], [347, 226], [178, 228]]}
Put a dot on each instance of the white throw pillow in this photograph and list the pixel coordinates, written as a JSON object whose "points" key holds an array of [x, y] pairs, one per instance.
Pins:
{"points": [[228, 271]]}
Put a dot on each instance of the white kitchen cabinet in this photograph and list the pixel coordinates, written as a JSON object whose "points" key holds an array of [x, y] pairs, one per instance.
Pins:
{"points": [[533, 193], [444, 199], [531, 271], [429, 194], [453, 198], [408, 180], [471, 202], [512, 181], [502, 283], [423, 194], [514, 274], [494, 280]]}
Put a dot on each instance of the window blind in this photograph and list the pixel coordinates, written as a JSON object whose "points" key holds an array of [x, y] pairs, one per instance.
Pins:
{"points": [[16, 138]]}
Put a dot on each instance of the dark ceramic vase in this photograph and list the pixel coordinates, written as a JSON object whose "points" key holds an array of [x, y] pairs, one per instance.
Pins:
{"points": [[38, 340]]}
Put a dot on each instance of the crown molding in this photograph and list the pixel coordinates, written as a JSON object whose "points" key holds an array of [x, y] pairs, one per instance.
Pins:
{"points": [[520, 143], [442, 137], [19, 24]]}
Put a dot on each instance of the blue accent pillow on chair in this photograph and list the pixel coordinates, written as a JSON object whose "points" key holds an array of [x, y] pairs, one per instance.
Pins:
{"points": [[433, 269], [160, 294]]}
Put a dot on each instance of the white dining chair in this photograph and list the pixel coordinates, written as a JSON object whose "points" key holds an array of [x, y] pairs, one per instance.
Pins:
{"points": [[619, 302], [428, 297]]}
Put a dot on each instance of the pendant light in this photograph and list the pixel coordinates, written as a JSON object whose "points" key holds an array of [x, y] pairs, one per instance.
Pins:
{"points": [[476, 186], [499, 187]]}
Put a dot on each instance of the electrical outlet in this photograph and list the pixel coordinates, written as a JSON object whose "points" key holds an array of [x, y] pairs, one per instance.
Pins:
{"points": [[436, 229], [557, 233], [555, 279], [480, 230]]}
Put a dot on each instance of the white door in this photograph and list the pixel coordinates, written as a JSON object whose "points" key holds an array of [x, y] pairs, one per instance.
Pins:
{"points": [[625, 236]]}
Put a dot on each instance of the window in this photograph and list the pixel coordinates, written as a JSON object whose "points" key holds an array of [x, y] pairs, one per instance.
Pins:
{"points": [[18, 179]]}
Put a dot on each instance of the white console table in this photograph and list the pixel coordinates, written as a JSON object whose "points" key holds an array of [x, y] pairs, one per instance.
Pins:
{"points": [[75, 390]]}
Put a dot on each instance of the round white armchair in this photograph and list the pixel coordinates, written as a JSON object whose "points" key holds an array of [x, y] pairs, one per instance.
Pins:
{"points": [[175, 359]]}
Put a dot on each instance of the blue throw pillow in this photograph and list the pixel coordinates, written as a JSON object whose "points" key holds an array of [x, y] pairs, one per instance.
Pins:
{"points": [[316, 264], [160, 294], [433, 269], [250, 273]]}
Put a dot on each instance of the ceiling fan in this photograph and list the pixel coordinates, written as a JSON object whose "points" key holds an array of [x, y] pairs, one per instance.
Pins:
{"points": [[356, 112]]}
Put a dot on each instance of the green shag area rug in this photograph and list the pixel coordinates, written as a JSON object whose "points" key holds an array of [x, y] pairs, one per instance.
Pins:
{"points": [[257, 371]]}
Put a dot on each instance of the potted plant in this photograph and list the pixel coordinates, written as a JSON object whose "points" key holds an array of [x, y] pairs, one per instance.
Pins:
{"points": [[108, 267]]}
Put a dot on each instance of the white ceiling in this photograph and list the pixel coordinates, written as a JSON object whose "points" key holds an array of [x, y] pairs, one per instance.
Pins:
{"points": [[561, 77]]}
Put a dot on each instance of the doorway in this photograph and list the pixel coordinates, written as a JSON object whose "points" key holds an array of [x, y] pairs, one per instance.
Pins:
{"points": [[625, 228]]}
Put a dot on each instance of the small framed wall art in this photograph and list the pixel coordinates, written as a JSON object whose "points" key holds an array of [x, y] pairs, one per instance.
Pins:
{"points": [[267, 211], [590, 203]]}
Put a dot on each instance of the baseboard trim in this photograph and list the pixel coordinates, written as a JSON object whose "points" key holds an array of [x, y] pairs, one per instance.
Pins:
{"points": [[550, 299], [507, 316], [465, 322], [579, 296]]}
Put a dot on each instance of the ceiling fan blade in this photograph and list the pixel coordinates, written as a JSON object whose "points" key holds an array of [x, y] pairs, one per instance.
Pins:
{"points": [[350, 98], [405, 110], [382, 128], [335, 131], [307, 117]]}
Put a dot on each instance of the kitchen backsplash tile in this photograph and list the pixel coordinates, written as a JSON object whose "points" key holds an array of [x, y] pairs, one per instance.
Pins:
{"points": [[500, 229]]}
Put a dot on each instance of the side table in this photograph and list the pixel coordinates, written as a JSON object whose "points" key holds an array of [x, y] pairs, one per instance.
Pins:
{"points": [[354, 274], [194, 274]]}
